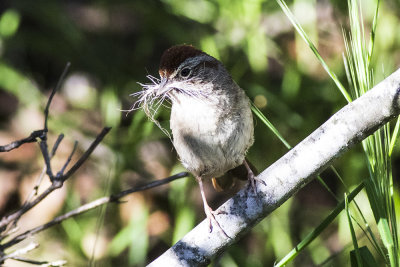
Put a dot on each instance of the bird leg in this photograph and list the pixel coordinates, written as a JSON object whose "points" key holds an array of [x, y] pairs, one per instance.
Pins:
{"points": [[208, 210], [252, 178]]}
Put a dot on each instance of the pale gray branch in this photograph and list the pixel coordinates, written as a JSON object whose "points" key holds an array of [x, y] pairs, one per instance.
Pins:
{"points": [[285, 177]]}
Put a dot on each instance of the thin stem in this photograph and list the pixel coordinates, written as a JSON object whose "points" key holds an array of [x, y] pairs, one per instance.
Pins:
{"points": [[89, 206], [53, 92]]}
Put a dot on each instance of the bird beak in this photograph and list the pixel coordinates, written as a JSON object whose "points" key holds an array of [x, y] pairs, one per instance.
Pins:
{"points": [[163, 86]]}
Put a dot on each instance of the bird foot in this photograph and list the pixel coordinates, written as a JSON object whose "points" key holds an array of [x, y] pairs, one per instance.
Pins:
{"points": [[208, 210], [253, 181], [212, 220], [252, 178]]}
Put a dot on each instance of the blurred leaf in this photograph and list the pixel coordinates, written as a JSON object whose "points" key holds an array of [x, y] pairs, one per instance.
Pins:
{"points": [[358, 261], [264, 119], [227, 261], [280, 238], [395, 136], [209, 46], [308, 41], [387, 239], [317, 231], [367, 260], [257, 51], [9, 23], [80, 91], [73, 231], [185, 214], [383, 228], [111, 107], [135, 237], [201, 11], [291, 82], [184, 222], [19, 85]]}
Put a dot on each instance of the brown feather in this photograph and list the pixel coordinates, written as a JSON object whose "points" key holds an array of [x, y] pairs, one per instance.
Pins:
{"points": [[227, 180], [174, 56]]}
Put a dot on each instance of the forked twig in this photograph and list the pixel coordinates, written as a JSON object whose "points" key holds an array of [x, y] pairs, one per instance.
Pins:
{"points": [[30, 139], [56, 183], [41, 134], [57, 180], [89, 206]]}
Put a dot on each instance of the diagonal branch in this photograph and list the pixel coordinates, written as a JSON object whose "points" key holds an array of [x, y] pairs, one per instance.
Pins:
{"points": [[285, 177], [85, 155], [89, 206]]}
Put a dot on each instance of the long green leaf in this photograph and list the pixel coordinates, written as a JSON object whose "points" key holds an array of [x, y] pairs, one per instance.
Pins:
{"points": [[303, 35], [387, 239], [317, 231], [264, 119], [353, 234]]}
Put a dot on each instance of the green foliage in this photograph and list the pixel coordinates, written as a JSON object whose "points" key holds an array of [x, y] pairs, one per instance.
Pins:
{"points": [[377, 147], [134, 237], [308, 41], [9, 22], [184, 215], [365, 258], [318, 230], [353, 234], [115, 44]]}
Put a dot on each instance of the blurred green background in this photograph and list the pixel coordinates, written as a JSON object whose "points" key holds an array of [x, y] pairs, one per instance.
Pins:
{"points": [[113, 45]]}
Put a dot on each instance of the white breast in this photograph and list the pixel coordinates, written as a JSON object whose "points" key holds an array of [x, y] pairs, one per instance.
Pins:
{"points": [[209, 141]]}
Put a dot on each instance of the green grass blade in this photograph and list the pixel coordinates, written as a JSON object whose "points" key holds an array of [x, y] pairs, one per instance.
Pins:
{"points": [[387, 240], [395, 135], [353, 234], [373, 31], [261, 116], [305, 37], [367, 259], [317, 231], [264, 119]]}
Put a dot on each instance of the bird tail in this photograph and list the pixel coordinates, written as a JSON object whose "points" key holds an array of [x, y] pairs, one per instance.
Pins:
{"points": [[228, 180]]}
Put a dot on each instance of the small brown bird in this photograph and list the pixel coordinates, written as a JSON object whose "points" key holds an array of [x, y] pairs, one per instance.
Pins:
{"points": [[211, 119]]}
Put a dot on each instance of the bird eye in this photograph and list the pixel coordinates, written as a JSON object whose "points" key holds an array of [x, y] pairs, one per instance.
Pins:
{"points": [[185, 72]]}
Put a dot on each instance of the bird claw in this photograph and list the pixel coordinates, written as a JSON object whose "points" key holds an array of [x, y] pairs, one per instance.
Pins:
{"points": [[218, 212], [211, 219], [253, 181], [252, 178], [208, 210]]}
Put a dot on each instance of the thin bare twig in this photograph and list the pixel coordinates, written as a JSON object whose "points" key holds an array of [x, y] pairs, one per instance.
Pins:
{"points": [[21, 251], [57, 180], [18, 258], [53, 92], [41, 263], [57, 183], [61, 172], [30, 139], [89, 206], [45, 152], [87, 153], [56, 144], [35, 189], [41, 134]]}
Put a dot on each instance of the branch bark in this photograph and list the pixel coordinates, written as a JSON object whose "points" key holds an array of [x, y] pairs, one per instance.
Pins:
{"points": [[285, 177]]}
